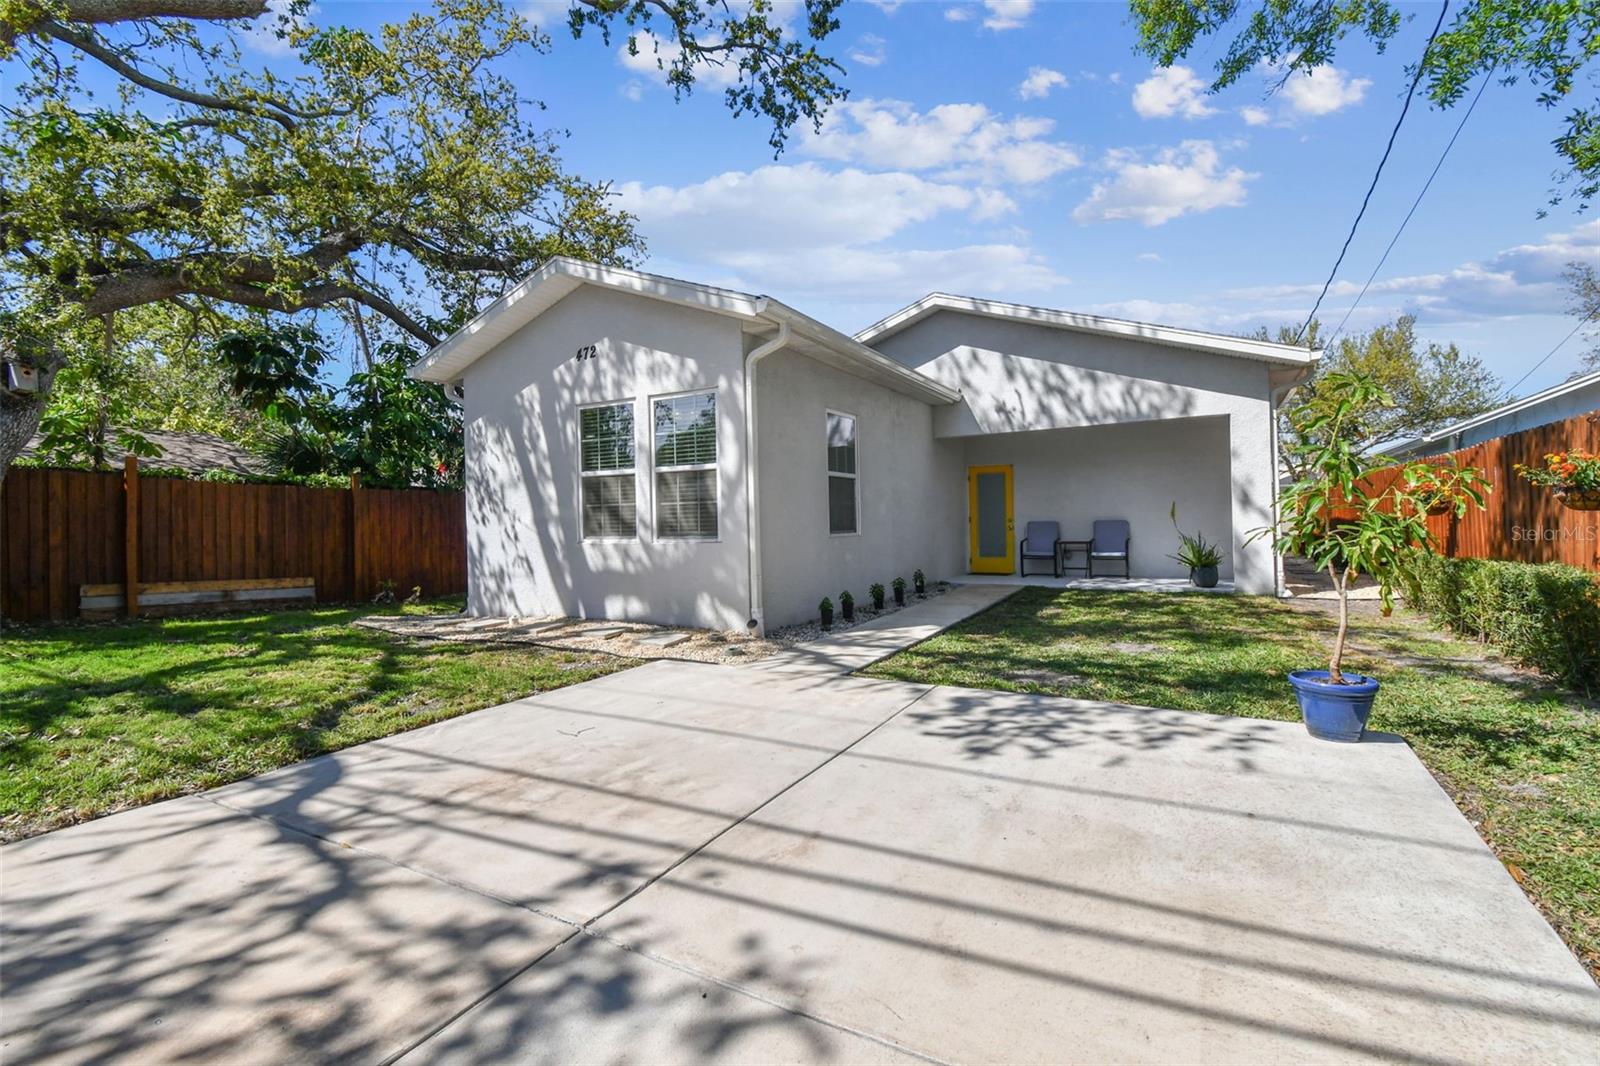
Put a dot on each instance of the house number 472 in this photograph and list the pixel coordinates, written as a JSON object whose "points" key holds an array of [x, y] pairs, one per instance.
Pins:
{"points": [[588, 351]]}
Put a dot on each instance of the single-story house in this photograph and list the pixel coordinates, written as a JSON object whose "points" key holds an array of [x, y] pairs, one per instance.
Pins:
{"points": [[1578, 395], [640, 447]]}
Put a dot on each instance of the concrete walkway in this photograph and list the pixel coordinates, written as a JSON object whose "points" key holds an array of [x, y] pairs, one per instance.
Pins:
{"points": [[861, 646], [695, 863]]}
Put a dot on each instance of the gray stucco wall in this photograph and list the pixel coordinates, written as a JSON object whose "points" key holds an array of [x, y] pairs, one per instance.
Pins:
{"points": [[1016, 376], [526, 555], [910, 483]]}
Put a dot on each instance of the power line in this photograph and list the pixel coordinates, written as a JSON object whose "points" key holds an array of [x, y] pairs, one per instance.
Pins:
{"points": [[1365, 200], [1561, 344], [1414, 205]]}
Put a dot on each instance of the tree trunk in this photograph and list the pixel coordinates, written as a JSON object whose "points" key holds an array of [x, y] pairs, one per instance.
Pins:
{"points": [[1341, 581], [20, 411]]}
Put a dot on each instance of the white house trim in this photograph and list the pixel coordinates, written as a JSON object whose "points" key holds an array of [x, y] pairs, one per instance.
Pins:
{"points": [[1194, 340], [1444, 436]]}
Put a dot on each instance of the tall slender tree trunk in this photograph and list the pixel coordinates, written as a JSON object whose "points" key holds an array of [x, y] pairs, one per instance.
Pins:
{"points": [[1341, 584]]}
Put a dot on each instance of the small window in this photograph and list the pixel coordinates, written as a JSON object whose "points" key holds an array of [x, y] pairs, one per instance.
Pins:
{"points": [[605, 444], [686, 467], [842, 480]]}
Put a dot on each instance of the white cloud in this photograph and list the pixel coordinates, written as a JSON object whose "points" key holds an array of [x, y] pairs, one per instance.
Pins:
{"points": [[654, 56], [1188, 179], [854, 275], [781, 208], [869, 51], [1006, 14], [959, 141], [1255, 116], [957, 14], [1322, 91], [1150, 257], [1039, 82], [632, 91], [888, 7], [261, 35], [1171, 91], [1115, 77]]}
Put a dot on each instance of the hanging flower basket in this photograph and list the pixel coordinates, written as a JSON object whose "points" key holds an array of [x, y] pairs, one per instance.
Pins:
{"points": [[1574, 477], [1575, 499]]}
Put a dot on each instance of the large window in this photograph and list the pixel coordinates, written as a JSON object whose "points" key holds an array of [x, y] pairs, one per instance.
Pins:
{"points": [[605, 439], [686, 466], [842, 480]]}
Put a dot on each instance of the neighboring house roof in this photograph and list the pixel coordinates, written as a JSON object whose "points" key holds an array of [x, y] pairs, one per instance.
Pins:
{"points": [[1191, 339], [558, 277], [1526, 405], [194, 452]]}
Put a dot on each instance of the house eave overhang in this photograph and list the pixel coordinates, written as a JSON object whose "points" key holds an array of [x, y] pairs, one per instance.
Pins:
{"points": [[1170, 336], [544, 288]]}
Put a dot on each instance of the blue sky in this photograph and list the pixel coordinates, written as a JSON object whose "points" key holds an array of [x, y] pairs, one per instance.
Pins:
{"points": [[1022, 151]]}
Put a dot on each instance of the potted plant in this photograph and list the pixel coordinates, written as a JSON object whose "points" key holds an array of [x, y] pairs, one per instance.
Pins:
{"points": [[1200, 555], [1574, 475], [847, 606], [825, 608], [920, 582], [899, 586], [1338, 517], [875, 590]]}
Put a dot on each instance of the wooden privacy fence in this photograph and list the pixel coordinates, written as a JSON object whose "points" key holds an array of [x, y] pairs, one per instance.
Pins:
{"points": [[64, 529], [1520, 521]]}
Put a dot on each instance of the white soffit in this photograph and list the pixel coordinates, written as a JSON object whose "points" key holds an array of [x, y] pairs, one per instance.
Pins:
{"points": [[1171, 336]]}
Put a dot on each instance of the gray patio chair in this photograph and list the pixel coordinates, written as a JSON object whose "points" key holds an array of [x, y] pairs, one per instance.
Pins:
{"points": [[1041, 540], [1111, 540]]}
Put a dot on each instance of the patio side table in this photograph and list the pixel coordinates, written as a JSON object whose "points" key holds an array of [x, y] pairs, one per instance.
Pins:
{"points": [[1064, 550]]}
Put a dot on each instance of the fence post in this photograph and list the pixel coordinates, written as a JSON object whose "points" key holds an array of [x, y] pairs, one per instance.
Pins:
{"points": [[356, 583], [130, 496]]}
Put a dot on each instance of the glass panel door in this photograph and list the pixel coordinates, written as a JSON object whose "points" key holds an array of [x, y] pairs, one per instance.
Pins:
{"points": [[990, 516]]}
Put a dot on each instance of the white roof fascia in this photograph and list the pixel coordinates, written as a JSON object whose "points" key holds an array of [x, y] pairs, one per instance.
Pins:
{"points": [[1552, 393], [870, 364], [544, 287], [1172, 336]]}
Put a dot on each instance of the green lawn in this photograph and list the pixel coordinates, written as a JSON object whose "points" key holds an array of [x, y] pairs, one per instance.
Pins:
{"points": [[94, 718], [1521, 761]]}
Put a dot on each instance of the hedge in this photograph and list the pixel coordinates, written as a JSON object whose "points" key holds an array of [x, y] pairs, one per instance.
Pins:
{"points": [[1543, 615]]}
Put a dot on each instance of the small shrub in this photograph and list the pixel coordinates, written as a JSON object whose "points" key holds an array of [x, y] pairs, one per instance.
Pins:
{"points": [[1543, 615], [847, 605], [899, 586], [825, 609], [919, 581], [875, 590]]}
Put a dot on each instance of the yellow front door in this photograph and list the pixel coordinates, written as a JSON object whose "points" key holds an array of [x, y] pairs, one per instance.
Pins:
{"points": [[989, 519]]}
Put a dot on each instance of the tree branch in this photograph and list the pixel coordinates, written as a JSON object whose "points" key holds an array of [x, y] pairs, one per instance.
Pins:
{"points": [[127, 10]]}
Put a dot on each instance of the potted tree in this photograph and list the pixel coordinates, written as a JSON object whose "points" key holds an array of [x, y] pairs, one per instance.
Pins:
{"points": [[875, 590], [1575, 477], [825, 608], [899, 586], [847, 606], [1200, 555], [1347, 523]]}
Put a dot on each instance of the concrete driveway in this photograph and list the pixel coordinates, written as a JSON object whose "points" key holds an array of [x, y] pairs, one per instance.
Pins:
{"points": [[698, 863]]}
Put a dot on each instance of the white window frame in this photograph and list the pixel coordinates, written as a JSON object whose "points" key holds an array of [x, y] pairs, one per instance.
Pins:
{"points": [[713, 466], [629, 401], [830, 474]]}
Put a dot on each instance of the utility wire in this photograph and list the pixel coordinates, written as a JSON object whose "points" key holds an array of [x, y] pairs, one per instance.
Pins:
{"points": [[1414, 205], [1561, 344], [1365, 200]]}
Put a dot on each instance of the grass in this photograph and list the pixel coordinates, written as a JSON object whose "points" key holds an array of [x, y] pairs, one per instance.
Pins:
{"points": [[1521, 761], [96, 718]]}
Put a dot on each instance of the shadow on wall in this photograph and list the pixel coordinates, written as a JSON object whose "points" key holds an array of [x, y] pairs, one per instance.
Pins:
{"points": [[527, 555]]}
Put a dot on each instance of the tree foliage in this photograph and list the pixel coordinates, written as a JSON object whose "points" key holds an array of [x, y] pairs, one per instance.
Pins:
{"points": [[1584, 283], [1423, 386], [396, 178], [1546, 43]]}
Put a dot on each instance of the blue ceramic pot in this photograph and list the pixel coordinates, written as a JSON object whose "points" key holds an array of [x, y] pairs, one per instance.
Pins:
{"points": [[1334, 712]]}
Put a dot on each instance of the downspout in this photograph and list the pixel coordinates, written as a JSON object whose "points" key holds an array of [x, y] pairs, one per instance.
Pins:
{"points": [[752, 485]]}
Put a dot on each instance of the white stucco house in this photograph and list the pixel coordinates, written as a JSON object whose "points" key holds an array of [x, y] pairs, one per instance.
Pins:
{"points": [[639, 447]]}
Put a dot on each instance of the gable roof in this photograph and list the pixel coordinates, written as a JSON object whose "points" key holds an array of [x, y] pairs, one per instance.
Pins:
{"points": [[1538, 399], [1172, 336], [558, 277]]}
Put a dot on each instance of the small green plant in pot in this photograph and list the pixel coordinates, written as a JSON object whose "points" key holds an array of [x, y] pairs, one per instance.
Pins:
{"points": [[875, 590], [1200, 555], [825, 608], [920, 582], [1347, 523], [899, 586], [847, 606]]}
